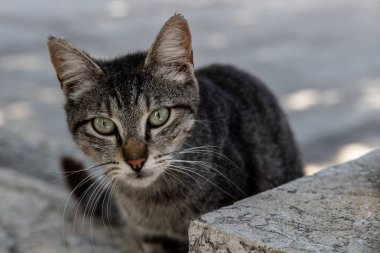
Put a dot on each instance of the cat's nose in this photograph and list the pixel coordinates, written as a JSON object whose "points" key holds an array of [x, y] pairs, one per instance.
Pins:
{"points": [[136, 164], [135, 154]]}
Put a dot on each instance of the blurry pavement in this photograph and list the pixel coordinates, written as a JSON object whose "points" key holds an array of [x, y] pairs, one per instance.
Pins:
{"points": [[320, 58]]}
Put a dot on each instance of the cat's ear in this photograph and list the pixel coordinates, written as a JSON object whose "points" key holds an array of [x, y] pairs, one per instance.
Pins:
{"points": [[76, 71], [172, 47]]}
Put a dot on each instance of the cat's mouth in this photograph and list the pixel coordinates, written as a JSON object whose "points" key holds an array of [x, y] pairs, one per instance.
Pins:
{"points": [[140, 174], [117, 172], [139, 179]]}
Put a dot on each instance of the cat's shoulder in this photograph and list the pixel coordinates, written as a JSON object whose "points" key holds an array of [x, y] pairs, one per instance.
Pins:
{"points": [[219, 69], [228, 76]]}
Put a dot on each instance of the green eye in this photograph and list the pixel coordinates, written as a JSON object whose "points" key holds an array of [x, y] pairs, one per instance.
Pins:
{"points": [[103, 125], [159, 117]]}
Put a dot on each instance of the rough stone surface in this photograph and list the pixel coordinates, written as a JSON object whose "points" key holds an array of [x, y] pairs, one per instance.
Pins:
{"points": [[335, 210]]}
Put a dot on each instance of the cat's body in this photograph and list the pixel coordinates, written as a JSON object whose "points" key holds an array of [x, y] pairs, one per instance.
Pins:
{"points": [[225, 138], [241, 117]]}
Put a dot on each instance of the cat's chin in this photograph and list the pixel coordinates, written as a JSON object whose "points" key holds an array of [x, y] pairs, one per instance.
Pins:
{"points": [[141, 180]]}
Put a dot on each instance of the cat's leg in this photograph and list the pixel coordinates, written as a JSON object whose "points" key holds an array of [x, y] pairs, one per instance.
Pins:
{"points": [[85, 189], [162, 244]]}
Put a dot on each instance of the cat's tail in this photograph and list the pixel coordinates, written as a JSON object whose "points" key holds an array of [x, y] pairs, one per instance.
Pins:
{"points": [[85, 189]]}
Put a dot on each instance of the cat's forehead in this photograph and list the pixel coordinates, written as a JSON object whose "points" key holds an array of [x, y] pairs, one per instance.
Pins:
{"points": [[130, 78], [136, 90], [143, 89]]}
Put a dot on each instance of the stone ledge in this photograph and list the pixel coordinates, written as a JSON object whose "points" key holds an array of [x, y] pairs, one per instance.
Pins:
{"points": [[335, 210]]}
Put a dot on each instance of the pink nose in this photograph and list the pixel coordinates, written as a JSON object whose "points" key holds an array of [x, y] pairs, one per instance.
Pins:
{"points": [[136, 164]]}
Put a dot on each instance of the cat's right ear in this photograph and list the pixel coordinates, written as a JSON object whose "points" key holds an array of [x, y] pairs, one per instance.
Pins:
{"points": [[76, 71]]}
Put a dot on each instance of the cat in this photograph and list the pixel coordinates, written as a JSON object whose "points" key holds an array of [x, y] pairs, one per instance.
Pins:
{"points": [[175, 143]]}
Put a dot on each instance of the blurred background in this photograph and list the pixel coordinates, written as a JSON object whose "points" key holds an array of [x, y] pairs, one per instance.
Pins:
{"points": [[320, 57]]}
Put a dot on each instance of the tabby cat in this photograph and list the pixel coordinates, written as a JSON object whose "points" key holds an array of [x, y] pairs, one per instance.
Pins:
{"points": [[175, 143]]}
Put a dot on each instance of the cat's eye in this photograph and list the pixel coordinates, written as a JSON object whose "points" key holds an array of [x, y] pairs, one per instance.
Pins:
{"points": [[159, 117], [103, 125]]}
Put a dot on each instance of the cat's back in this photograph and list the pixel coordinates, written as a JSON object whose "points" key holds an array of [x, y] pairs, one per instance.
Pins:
{"points": [[257, 125], [242, 87], [235, 82]]}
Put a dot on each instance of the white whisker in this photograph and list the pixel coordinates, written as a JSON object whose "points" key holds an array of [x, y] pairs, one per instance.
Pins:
{"points": [[106, 195], [114, 184], [94, 204], [210, 166], [82, 197], [85, 180], [180, 168], [167, 172]]}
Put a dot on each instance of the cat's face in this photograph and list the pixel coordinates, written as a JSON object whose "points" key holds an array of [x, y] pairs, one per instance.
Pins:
{"points": [[133, 110]]}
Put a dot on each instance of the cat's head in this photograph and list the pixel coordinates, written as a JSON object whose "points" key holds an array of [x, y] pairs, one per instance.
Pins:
{"points": [[134, 109]]}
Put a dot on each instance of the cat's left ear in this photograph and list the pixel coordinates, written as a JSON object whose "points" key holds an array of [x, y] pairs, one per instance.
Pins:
{"points": [[172, 50], [76, 71]]}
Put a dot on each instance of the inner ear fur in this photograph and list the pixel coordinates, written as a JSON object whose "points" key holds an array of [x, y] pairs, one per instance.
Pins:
{"points": [[172, 46], [75, 70]]}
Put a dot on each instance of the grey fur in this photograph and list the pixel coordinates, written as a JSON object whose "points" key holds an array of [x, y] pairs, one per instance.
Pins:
{"points": [[226, 132]]}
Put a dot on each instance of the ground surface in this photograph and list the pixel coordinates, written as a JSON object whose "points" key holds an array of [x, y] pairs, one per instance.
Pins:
{"points": [[320, 57]]}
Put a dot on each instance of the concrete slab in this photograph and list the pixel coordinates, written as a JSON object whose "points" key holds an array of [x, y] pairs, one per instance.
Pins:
{"points": [[336, 210]]}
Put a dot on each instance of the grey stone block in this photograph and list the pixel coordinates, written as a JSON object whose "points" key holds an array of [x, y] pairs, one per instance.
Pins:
{"points": [[336, 210]]}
